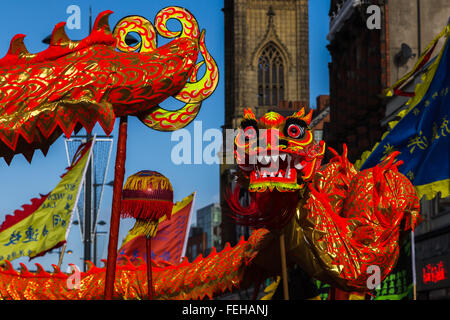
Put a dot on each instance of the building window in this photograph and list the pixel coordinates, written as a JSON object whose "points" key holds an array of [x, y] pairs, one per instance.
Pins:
{"points": [[318, 135], [443, 205], [270, 76]]}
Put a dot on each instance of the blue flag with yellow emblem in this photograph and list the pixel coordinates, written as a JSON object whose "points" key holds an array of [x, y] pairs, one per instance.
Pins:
{"points": [[422, 135]]}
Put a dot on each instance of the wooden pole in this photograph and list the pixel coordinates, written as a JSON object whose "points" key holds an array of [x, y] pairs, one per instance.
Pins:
{"points": [[413, 261], [148, 243], [284, 268], [119, 174], [61, 255]]}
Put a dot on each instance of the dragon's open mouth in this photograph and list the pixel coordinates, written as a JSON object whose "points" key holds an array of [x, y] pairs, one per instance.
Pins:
{"points": [[276, 152], [277, 169]]}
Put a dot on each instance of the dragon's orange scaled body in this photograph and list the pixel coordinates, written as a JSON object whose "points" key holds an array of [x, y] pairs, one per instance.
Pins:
{"points": [[337, 222], [74, 84], [215, 274]]}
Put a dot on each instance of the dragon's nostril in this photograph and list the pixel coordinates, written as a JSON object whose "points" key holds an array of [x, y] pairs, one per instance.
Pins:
{"points": [[283, 142]]}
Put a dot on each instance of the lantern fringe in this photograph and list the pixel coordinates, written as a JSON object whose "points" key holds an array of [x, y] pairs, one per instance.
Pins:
{"points": [[145, 227], [146, 209]]}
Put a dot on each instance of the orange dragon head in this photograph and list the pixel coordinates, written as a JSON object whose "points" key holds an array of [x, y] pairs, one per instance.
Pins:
{"points": [[277, 157], [277, 152]]}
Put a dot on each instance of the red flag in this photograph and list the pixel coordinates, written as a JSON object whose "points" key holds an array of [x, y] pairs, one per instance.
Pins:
{"points": [[169, 244]]}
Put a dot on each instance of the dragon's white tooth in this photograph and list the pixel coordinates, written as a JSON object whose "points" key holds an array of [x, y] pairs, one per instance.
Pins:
{"points": [[264, 159], [272, 174], [280, 175], [275, 157], [260, 158], [299, 166], [283, 156], [264, 175]]}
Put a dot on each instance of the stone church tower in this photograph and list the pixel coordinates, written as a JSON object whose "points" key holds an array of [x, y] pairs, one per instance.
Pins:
{"points": [[266, 55], [266, 67]]}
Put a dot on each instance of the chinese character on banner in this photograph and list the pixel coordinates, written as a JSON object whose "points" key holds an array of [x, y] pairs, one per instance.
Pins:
{"points": [[39, 227]]}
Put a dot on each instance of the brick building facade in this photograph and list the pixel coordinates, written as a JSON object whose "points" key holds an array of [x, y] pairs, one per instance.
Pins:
{"points": [[358, 75], [321, 117], [197, 243], [367, 61]]}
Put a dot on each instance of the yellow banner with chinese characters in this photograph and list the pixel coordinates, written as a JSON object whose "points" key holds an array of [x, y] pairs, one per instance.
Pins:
{"points": [[44, 224]]}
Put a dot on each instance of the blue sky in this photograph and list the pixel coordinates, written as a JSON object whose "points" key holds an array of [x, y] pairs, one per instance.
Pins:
{"points": [[146, 149]]}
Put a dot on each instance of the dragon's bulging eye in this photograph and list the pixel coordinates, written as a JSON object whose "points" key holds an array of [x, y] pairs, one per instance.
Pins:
{"points": [[250, 132], [250, 129], [295, 131]]}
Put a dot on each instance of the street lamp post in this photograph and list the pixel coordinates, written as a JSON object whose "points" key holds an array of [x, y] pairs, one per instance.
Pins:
{"points": [[101, 223]]}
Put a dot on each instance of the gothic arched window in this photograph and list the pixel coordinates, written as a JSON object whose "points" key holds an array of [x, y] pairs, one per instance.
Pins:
{"points": [[270, 76]]}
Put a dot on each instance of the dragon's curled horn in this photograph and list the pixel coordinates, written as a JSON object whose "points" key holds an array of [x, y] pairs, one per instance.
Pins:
{"points": [[301, 115], [196, 90], [248, 114]]}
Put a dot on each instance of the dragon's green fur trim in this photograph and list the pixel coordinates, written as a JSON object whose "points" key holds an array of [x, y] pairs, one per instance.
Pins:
{"points": [[280, 186]]}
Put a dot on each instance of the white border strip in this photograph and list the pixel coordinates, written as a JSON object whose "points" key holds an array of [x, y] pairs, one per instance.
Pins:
{"points": [[83, 176], [188, 228], [104, 182]]}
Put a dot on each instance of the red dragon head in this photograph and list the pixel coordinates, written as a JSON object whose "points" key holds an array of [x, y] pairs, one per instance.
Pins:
{"points": [[276, 152], [277, 157]]}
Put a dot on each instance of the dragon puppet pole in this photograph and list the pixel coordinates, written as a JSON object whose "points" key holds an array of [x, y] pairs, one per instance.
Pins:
{"points": [[119, 174], [413, 258], [61, 255], [283, 267], [148, 242]]}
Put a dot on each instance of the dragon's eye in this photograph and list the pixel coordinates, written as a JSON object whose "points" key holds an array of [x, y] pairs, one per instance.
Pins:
{"points": [[250, 129], [295, 131], [250, 132]]}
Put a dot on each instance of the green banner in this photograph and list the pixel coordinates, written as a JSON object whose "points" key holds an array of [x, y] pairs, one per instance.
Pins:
{"points": [[398, 285]]}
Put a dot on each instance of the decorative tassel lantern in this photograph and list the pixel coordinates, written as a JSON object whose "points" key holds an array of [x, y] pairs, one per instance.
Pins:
{"points": [[147, 196]]}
